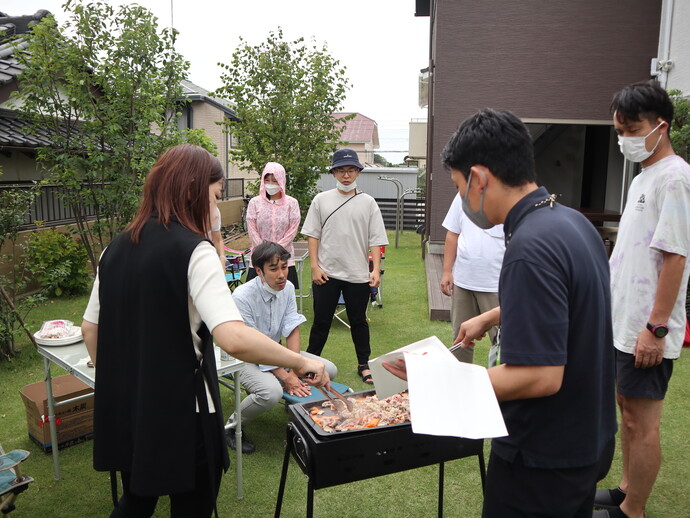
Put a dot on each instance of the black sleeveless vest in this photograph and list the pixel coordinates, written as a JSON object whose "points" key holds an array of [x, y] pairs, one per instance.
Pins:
{"points": [[147, 373]]}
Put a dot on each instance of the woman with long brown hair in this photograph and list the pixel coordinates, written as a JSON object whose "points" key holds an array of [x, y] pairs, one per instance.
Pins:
{"points": [[158, 303]]}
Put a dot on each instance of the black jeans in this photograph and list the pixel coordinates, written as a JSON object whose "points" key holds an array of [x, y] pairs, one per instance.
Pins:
{"points": [[356, 297], [199, 502]]}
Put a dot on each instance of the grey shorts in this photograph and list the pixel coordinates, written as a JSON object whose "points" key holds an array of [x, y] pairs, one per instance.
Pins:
{"points": [[649, 383]]}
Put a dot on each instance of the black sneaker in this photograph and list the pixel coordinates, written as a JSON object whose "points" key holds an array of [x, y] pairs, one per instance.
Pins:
{"points": [[614, 512], [247, 445], [608, 498]]}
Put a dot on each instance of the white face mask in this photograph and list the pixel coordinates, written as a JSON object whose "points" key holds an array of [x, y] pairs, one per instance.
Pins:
{"points": [[266, 287], [346, 188], [272, 189], [635, 148]]}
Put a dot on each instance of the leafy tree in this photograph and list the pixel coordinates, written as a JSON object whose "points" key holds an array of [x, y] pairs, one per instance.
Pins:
{"points": [[680, 139], [285, 94], [379, 159], [14, 203], [680, 130], [98, 85]]}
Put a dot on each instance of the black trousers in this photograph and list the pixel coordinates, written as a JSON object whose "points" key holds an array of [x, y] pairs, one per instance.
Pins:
{"points": [[356, 296], [514, 490], [198, 502]]}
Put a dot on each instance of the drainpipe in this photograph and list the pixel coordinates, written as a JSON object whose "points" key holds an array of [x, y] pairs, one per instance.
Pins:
{"points": [[398, 198], [661, 64], [401, 204]]}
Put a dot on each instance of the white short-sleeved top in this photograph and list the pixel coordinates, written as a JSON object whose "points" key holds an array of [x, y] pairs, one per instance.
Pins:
{"points": [[210, 300], [345, 238], [656, 219], [479, 255]]}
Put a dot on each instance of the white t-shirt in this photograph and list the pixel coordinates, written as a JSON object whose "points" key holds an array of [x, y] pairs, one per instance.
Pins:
{"points": [[656, 218], [480, 252], [209, 299], [346, 237]]}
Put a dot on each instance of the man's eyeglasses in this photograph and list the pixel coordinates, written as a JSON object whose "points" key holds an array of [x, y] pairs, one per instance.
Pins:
{"points": [[351, 171]]}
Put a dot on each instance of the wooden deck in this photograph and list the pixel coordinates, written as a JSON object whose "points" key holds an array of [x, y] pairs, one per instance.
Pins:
{"points": [[439, 304]]}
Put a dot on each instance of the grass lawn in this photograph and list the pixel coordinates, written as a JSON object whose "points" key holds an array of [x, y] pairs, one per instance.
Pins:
{"points": [[402, 320]]}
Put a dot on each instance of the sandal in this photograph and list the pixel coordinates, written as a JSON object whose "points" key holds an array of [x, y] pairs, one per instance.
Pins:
{"points": [[366, 378]]}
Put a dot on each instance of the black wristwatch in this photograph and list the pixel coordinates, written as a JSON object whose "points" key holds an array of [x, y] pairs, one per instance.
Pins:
{"points": [[658, 330]]}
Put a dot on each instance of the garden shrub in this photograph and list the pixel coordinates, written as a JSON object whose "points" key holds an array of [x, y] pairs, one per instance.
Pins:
{"points": [[58, 263]]}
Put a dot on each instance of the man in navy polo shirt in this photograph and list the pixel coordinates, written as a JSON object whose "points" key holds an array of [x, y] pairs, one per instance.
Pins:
{"points": [[555, 383]]}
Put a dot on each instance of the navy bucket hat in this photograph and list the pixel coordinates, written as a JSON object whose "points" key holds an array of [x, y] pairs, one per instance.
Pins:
{"points": [[344, 157]]}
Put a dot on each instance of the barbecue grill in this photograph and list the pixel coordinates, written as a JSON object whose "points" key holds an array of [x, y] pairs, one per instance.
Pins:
{"points": [[330, 459]]}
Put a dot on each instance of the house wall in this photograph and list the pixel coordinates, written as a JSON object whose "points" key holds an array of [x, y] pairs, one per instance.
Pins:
{"points": [[231, 211], [206, 116], [556, 61], [417, 139], [365, 150], [679, 75], [18, 166]]}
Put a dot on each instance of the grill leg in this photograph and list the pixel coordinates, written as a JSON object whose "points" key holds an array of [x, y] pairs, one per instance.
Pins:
{"points": [[441, 469], [310, 498], [482, 469], [283, 474]]}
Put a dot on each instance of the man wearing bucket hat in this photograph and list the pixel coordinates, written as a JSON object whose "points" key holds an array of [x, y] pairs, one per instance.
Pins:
{"points": [[343, 226]]}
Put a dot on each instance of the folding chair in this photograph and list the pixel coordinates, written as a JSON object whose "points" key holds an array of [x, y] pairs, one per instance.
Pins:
{"points": [[339, 309], [235, 266], [12, 482], [377, 293]]}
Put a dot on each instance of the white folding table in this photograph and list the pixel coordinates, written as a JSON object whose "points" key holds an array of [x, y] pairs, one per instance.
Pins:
{"points": [[74, 359], [301, 253]]}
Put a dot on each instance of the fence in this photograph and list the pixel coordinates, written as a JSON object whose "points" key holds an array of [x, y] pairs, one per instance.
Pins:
{"points": [[413, 212], [51, 210], [48, 207], [234, 188]]}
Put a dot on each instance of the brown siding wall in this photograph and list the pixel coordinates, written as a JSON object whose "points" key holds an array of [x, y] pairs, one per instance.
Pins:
{"points": [[556, 59]]}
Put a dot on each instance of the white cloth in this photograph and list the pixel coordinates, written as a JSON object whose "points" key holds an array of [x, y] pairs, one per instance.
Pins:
{"points": [[656, 218], [346, 237], [479, 254], [209, 299]]}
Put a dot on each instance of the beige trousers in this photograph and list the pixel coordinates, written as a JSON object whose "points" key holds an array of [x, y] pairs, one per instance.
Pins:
{"points": [[466, 304]]}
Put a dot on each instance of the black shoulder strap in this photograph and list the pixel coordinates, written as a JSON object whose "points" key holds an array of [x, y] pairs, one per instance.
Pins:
{"points": [[338, 208]]}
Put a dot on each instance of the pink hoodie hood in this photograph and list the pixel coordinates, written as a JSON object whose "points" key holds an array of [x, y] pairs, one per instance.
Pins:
{"points": [[278, 171]]}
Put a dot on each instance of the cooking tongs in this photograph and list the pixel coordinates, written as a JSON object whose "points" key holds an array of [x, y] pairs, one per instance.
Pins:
{"points": [[348, 404]]}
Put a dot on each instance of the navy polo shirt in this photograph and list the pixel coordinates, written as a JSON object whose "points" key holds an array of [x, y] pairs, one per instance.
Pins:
{"points": [[556, 310]]}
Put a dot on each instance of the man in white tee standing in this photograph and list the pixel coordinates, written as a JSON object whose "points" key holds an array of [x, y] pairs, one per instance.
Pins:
{"points": [[472, 259], [343, 227], [649, 278]]}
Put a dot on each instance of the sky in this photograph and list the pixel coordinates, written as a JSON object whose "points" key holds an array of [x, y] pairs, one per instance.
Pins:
{"points": [[381, 42]]}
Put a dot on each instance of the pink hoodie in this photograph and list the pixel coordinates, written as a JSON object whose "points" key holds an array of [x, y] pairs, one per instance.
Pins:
{"points": [[276, 220]]}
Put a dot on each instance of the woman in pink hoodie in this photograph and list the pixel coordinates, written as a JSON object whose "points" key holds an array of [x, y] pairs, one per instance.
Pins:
{"points": [[274, 216]]}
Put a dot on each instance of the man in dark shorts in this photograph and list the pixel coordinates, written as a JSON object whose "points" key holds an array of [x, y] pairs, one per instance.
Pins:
{"points": [[649, 277], [555, 383]]}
